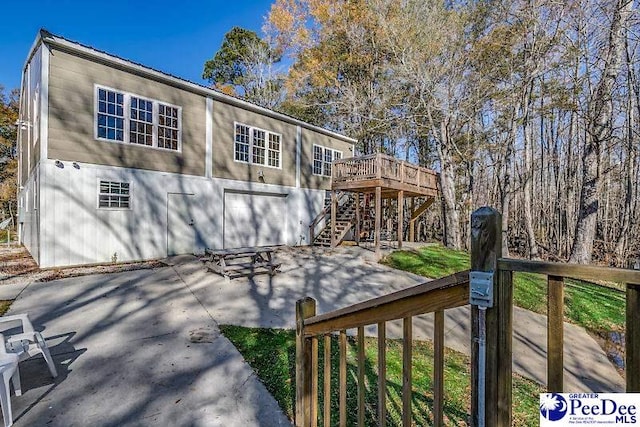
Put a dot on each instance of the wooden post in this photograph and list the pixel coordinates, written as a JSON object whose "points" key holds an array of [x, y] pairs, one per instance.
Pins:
{"points": [[334, 213], [378, 219], [412, 224], [632, 339], [400, 219], [486, 248], [555, 334], [357, 218], [305, 308]]}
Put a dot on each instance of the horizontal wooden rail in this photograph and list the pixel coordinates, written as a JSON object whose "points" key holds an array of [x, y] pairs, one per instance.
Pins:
{"points": [[447, 292], [573, 271]]}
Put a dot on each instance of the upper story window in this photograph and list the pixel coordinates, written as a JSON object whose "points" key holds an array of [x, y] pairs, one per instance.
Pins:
{"points": [[124, 117], [113, 194], [257, 146], [322, 159]]}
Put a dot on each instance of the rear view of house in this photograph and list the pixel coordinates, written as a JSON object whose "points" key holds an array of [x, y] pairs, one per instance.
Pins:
{"points": [[120, 162]]}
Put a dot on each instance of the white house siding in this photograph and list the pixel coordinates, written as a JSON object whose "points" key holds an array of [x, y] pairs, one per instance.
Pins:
{"points": [[74, 231]]}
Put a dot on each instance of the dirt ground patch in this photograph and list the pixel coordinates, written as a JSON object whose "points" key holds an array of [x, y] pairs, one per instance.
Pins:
{"points": [[17, 266]]}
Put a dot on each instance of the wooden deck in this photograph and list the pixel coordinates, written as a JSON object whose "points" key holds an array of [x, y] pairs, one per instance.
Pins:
{"points": [[364, 174]]}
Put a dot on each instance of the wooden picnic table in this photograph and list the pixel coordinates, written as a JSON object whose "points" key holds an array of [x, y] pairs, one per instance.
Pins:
{"points": [[239, 262]]}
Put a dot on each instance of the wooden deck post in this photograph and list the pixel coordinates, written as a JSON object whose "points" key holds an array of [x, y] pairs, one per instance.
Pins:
{"points": [[491, 394], [305, 308], [412, 224], [334, 213], [400, 218], [357, 197], [378, 220], [632, 339]]}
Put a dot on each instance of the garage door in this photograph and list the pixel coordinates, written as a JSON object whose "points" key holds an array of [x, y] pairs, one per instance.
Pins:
{"points": [[254, 219]]}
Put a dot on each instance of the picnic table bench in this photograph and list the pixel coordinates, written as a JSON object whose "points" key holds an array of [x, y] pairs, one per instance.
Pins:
{"points": [[241, 262]]}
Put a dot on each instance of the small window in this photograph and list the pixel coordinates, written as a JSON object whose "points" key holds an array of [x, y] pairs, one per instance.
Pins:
{"points": [[114, 194]]}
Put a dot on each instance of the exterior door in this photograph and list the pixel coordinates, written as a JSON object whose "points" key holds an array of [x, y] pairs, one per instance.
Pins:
{"points": [[181, 236], [254, 219]]}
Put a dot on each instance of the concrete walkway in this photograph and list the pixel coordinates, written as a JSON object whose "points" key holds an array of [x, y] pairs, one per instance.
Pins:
{"points": [[143, 347], [134, 348]]}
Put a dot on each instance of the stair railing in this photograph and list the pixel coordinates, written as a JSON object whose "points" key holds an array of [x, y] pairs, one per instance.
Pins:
{"points": [[343, 197]]}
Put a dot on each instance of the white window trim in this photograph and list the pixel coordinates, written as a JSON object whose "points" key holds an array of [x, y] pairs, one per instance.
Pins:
{"points": [[266, 146], [333, 158], [114, 180], [126, 105]]}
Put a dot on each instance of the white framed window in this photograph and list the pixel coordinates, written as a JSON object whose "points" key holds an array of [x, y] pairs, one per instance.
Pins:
{"points": [[128, 118], [114, 195], [322, 159], [257, 146]]}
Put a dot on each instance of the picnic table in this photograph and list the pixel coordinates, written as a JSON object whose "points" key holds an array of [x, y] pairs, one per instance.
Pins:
{"points": [[241, 262]]}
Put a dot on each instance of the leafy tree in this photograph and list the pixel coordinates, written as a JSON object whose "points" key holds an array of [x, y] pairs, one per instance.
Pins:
{"points": [[245, 66], [9, 106]]}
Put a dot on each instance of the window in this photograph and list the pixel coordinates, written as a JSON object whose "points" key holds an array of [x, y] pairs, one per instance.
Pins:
{"points": [[110, 115], [168, 128], [124, 117], [322, 159], [242, 143], [257, 146], [114, 194], [274, 150], [141, 123]]}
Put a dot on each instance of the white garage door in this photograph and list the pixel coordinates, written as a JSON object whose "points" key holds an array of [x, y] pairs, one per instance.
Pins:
{"points": [[254, 219]]}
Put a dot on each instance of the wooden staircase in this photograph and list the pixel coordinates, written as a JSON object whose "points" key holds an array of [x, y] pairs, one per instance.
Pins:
{"points": [[345, 221]]}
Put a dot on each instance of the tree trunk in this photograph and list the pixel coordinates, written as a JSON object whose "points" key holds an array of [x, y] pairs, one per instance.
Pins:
{"points": [[448, 191], [599, 132]]}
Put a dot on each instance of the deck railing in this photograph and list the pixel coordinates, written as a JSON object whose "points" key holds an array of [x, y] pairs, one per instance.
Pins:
{"points": [[382, 166], [431, 297], [491, 332]]}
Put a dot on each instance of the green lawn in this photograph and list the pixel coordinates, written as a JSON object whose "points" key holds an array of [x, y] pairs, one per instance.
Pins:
{"points": [[271, 354], [597, 308]]}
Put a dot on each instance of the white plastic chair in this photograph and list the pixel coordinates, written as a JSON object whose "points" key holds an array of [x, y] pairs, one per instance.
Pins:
{"points": [[9, 371], [29, 342]]}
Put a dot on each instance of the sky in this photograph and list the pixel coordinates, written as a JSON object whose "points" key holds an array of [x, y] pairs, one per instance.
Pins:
{"points": [[175, 37]]}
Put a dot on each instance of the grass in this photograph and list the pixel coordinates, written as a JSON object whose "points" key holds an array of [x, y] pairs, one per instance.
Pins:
{"points": [[597, 308], [4, 306], [271, 353]]}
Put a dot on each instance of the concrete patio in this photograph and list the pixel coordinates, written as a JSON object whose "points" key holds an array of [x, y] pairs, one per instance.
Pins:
{"points": [[143, 347]]}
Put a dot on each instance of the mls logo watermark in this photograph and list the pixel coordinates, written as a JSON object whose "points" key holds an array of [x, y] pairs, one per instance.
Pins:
{"points": [[589, 409]]}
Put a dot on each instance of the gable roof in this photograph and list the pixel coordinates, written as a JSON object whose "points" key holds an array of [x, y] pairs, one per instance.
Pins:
{"points": [[97, 55]]}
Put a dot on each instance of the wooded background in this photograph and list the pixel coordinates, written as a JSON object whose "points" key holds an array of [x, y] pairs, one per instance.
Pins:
{"points": [[528, 106]]}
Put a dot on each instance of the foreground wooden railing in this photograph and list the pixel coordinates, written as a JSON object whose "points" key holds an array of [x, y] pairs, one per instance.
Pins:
{"points": [[431, 297], [556, 274], [382, 166], [491, 332]]}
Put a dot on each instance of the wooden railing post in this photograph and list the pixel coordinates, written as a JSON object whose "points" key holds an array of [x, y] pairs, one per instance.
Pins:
{"points": [[305, 308], [334, 213], [491, 328], [632, 339]]}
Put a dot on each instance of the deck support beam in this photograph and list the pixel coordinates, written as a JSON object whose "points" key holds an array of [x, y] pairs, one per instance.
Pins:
{"points": [[400, 218], [334, 213], [357, 200], [378, 220]]}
